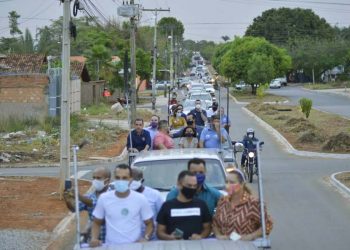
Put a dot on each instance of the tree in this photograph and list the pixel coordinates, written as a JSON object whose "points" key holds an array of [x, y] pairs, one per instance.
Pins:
{"points": [[143, 67], [13, 23], [260, 70], [218, 54], [167, 23], [238, 55], [283, 25], [315, 57], [28, 43], [225, 38]]}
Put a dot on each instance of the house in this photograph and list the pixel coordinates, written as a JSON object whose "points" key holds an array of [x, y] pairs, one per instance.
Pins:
{"points": [[23, 86]]}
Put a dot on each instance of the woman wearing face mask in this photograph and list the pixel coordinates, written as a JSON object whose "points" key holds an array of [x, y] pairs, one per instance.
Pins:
{"points": [[176, 120], [188, 138], [239, 211]]}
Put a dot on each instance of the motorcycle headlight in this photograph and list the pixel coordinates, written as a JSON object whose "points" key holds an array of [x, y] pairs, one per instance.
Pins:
{"points": [[251, 154]]}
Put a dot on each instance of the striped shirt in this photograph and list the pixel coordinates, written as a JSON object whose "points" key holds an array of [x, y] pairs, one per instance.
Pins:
{"points": [[243, 218]]}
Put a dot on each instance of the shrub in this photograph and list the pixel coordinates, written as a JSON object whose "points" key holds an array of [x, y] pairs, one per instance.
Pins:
{"points": [[260, 92], [306, 105]]}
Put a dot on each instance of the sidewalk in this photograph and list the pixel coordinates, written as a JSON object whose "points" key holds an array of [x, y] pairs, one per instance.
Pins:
{"points": [[342, 91]]}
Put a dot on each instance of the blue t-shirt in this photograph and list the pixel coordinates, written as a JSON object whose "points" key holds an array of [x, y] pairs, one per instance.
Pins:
{"points": [[208, 194], [211, 139], [139, 141]]}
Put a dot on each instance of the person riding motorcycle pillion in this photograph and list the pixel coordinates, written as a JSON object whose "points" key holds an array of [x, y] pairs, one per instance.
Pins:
{"points": [[249, 142]]}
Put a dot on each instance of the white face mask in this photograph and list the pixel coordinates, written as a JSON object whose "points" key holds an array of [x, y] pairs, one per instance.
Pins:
{"points": [[135, 185], [178, 114], [250, 136], [98, 184], [198, 106]]}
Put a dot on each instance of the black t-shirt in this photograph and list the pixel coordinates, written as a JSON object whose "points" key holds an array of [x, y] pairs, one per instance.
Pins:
{"points": [[186, 216]]}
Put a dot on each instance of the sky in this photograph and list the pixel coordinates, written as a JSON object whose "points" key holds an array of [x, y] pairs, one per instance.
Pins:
{"points": [[203, 19]]}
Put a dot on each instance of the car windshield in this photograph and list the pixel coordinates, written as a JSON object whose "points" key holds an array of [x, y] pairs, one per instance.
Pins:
{"points": [[201, 97], [162, 174]]}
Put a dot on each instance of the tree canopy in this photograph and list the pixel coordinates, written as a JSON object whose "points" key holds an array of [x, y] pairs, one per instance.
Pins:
{"points": [[252, 59], [166, 24], [279, 26]]}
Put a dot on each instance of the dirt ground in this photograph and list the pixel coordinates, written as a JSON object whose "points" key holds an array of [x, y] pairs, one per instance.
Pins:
{"points": [[344, 178], [32, 203]]}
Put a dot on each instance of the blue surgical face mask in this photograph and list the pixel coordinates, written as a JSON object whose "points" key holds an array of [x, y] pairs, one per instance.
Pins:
{"points": [[200, 178], [121, 186]]}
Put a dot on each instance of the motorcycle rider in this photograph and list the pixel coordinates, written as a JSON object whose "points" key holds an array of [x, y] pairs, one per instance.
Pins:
{"points": [[249, 142]]}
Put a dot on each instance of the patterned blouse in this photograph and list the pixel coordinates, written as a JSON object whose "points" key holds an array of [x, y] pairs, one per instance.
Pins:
{"points": [[243, 218]]}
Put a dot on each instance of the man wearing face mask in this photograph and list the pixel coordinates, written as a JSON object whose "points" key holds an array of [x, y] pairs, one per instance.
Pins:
{"points": [[212, 111], [211, 136], [123, 211], [153, 196], [100, 180], [249, 142], [200, 115], [184, 217], [153, 128], [204, 192]]}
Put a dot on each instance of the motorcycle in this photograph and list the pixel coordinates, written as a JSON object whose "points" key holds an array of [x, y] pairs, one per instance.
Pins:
{"points": [[250, 166]]}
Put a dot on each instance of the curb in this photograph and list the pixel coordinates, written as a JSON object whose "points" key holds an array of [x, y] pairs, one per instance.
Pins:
{"points": [[287, 146], [98, 160], [246, 103], [340, 186]]}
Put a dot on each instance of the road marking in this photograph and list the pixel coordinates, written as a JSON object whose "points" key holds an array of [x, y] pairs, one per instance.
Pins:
{"points": [[81, 173]]}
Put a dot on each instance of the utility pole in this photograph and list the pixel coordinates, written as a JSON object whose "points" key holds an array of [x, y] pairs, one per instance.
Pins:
{"points": [[154, 76], [132, 11], [65, 100], [172, 58]]}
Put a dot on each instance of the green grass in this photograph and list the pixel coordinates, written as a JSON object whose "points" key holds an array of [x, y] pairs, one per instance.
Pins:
{"points": [[333, 85], [98, 109]]}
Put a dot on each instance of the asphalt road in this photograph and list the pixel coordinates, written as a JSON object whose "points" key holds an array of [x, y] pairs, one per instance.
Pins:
{"points": [[329, 102], [308, 213]]}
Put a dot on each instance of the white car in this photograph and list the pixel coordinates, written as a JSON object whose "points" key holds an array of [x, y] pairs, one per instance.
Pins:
{"points": [[202, 96], [190, 104], [161, 167], [275, 84], [210, 89]]}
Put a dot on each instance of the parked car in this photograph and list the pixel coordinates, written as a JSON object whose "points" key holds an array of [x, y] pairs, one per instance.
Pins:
{"points": [[241, 85], [283, 80], [162, 84], [202, 96], [275, 84]]}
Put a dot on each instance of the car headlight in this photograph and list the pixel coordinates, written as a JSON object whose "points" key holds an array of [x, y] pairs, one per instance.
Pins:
{"points": [[251, 154]]}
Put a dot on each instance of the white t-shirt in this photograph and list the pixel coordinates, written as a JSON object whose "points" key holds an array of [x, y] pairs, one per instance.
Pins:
{"points": [[156, 201], [123, 216]]}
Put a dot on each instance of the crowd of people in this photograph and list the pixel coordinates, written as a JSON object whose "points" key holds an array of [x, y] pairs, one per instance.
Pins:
{"points": [[197, 129], [125, 210]]}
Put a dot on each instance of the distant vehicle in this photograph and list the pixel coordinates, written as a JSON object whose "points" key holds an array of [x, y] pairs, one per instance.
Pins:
{"points": [[283, 80], [190, 104], [202, 96], [241, 85], [275, 84], [210, 89], [162, 85]]}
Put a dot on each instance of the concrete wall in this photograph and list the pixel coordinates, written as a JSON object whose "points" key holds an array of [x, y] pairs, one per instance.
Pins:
{"points": [[23, 96]]}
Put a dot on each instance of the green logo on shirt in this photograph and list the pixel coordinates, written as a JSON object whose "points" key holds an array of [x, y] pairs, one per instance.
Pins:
{"points": [[125, 211]]}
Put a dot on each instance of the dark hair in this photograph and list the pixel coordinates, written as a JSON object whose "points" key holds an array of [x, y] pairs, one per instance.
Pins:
{"points": [[195, 161], [124, 166], [183, 174], [163, 124], [138, 120], [215, 117], [198, 101], [188, 127]]}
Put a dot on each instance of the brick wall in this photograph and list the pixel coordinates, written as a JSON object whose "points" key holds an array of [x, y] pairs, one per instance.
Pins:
{"points": [[23, 96]]}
